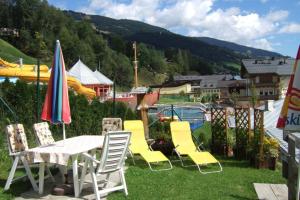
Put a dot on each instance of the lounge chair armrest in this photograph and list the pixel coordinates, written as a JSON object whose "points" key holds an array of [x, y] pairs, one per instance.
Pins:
{"points": [[88, 156], [201, 146], [150, 145]]}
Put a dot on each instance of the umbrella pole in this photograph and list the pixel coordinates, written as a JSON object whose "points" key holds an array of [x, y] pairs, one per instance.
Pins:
{"points": [[64, 131]]}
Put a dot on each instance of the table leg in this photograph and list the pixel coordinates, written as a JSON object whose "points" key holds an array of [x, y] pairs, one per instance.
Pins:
{"points": [[41, 177], [75, 175]]}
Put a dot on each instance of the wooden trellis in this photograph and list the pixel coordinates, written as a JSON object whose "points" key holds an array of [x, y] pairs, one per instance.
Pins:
{"points": [[242, 131], [259, 133], [219, 129]]}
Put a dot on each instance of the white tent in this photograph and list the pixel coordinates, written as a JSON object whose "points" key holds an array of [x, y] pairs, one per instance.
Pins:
{"points": [[102, 79], [84, 74]]}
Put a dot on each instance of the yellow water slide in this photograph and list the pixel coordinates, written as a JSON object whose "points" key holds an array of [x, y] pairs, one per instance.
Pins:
{"points": [[28, 73]]}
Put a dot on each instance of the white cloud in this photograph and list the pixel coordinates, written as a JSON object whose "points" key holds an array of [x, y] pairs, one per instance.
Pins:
{"points": [[198, 18], [290, 28], [278, 15]]}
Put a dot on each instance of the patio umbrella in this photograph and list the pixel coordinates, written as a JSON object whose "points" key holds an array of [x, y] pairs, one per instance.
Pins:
{"points": [[289, 118], [56, 107]]}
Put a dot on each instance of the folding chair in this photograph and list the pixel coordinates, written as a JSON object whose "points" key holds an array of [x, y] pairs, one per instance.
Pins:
{"points": [[111, 124], [44, 137], [43, 133], [184, 146], [138, 144], [112, 159], [17, 146]]}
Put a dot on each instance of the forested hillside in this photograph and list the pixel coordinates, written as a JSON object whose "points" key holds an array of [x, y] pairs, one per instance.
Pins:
{"points": [[100, 39], [218, 55], [39, 25]]}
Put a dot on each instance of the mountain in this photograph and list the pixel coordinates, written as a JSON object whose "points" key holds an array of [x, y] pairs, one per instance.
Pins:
{"points": [[250, 51], [122, 27], [207, 48]]}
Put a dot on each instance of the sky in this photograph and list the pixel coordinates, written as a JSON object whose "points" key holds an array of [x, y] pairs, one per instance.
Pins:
{"points": [[266, 24]]}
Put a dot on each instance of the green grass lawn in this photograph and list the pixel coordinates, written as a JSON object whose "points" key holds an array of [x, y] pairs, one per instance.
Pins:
{"points": [[235, 182], [173, 99]]}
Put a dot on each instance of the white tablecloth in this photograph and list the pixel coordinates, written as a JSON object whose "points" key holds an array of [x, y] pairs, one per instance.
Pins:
{"points": [[60, 152]]}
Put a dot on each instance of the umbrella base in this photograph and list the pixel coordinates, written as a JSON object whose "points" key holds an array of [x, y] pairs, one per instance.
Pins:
{"points": [[63, 190]]}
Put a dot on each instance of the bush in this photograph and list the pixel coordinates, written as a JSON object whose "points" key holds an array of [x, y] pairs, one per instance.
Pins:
{"points": [[86, 116]]}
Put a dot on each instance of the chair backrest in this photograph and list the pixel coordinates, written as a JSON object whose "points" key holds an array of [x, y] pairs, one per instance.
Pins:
{"points": [[17, 141], [182, 135], [111, 124], [43, 133], [136, 127], [114, 150]]}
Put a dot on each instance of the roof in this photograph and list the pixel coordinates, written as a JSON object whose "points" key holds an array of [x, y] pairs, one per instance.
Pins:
{"points": [[169, 84], [84, 74], [280, 66], [139, 90], [209, 84], [204, 78], [232, 83], [103, 79]]}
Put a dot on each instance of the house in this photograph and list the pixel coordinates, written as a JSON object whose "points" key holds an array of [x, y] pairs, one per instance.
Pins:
{"points": [[220, 85], [268, 77], [94, 80], [173, 88]]}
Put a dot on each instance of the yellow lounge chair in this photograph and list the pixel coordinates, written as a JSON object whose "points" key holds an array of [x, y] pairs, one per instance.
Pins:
{"points": [[184, 146], [138, 144]]}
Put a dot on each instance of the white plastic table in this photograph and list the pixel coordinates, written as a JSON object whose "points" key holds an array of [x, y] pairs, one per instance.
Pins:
{"points": [[61, 151]]}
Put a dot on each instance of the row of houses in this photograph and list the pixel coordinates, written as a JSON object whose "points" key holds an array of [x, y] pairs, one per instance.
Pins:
{"points": [[268, 78]]}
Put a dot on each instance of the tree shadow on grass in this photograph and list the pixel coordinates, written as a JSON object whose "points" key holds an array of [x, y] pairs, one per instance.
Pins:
{"points": [[232, 162], [240, 197], [16, 188]]}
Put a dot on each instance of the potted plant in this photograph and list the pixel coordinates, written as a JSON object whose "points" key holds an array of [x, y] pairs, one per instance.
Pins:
{"points": [[270, 152], [161, 134]]}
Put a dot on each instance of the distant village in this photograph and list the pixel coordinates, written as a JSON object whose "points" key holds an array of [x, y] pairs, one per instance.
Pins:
{"points": [[267, 78]]}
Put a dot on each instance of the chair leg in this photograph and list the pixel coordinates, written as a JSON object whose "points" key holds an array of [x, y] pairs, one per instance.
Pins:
{"points": [[94, 179], [156, 170], [28, 172], [83, 174], [131, 154], [50, 174], [11, 173], [106, 180], [209, 172], [123, 181]]}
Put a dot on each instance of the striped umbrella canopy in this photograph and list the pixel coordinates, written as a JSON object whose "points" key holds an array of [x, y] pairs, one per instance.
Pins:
{"points": [[289, 118], [56, 107]]}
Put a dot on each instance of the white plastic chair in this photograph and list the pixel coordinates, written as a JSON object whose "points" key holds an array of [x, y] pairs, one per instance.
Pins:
{"points": [[17, 146], [111, 160]]}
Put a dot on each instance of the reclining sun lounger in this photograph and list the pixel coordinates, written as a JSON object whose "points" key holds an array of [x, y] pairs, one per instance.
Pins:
{"points": [[184, 146], [138, 144]]}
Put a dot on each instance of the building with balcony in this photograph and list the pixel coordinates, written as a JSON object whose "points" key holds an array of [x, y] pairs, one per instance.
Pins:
{"points": [[267, 77]]}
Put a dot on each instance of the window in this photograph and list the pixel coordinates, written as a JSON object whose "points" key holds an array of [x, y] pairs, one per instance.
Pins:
{"points": [[271, 92], [257, 79], [261, 92]]}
